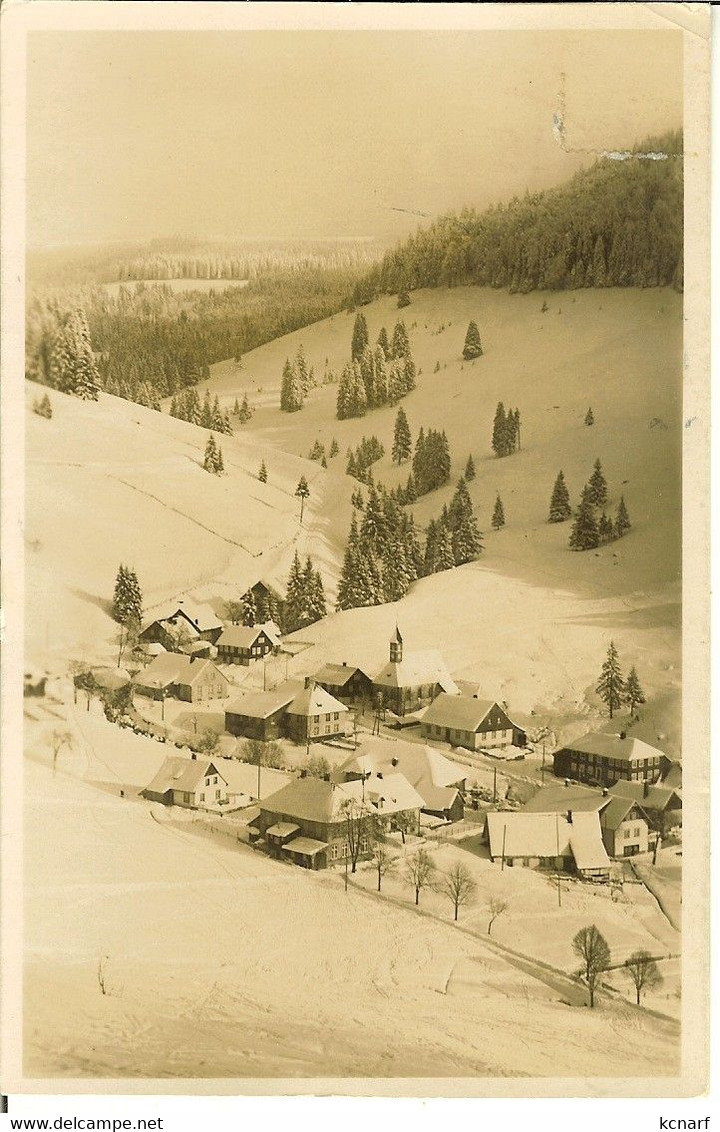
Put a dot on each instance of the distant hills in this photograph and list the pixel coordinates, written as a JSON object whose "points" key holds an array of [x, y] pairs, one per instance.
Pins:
{"points": [[616, 224]]}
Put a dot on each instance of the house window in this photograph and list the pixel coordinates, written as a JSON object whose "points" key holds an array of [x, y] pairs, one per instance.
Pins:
{"points": [[333, 852], [316, 719], [337, 715], [626, 831], [328, 729], [187, 799], [217, 793], [202, 797]]}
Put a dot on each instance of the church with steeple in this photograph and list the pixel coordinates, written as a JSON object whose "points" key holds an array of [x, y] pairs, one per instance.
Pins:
{"points": [[411, 679]]}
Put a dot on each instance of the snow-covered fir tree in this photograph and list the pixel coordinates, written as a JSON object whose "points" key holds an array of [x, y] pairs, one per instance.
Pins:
{"points": [[498, 515], [611, 686], [560, 508], [402, 440], [473, 345], [598, 486]]}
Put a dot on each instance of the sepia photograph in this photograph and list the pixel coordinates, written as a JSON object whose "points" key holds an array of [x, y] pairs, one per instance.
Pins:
{"points": [[359, 429]]}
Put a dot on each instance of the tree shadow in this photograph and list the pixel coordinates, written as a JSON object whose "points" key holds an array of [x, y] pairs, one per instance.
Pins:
{"points": [[93, 599]]}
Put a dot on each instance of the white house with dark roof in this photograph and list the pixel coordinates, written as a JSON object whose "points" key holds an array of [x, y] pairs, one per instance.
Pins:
{"points": [[662, 804], [411, 679], [465, 721]]}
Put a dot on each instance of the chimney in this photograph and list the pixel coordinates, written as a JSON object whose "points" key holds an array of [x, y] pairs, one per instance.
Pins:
{"points": [[623, 734], [569, 815], [326, 778], [567, 781], [646, 788], [308, 682], [605, 792], [193, 756], [394, 760], [379, 774], [303, 773], [344, 664]]}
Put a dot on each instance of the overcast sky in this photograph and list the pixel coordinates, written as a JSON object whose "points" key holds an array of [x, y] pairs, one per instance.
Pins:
{"points": [[234, 134]]}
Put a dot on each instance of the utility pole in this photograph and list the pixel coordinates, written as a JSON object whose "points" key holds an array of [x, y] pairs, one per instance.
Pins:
{"points": [[557, 845], [542, 769], [494, 784], [502, 865]]}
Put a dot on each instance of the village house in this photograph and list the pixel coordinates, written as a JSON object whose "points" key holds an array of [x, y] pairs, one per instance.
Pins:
{"points": [[182, 621], [307, 821], [661, 804], [247, 783], [345, 682], [269, 602], [192, 783], [571, 841], [439, 782], [466, 721], [315, 714], [603, 759], [624, 826], [237, 644], [183, 677], [411, 679], [261, 715]]}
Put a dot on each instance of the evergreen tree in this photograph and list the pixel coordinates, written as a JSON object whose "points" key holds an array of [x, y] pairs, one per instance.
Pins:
{"points": [[499, 434], [611, 686], [304, 375], [469, 473], [291, 398], [213, 458], [605, 528], [402, 440], [294, 601], [634, 694], [302, 491], [622, 520], [584, 534], [262, 474], [206, 415], [461, 523], [384, 343], [403, 299], [334, 448], [219, 463], [395, 572], [72, 363], [236, 408], [560, 508], [360, 338], [589, 418], [409, 375], [244, 412], [316, 605], [249, 611], [127, 598], [498, 515], [400, 341], [444, 558], [473, 345], [598, 486]]}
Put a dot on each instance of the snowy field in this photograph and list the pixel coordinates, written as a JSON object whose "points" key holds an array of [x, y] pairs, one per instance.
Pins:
{"points": [[219, 962]]}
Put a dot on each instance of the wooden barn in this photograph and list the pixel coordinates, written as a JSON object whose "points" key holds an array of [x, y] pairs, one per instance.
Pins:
{"points": [[345, 682], [261, 715]]}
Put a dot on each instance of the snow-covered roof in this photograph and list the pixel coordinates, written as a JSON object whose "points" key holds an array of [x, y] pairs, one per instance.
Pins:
{"points": [[200, 615], [242, 778], [260, 705], [433, 776], [464, 713], [243, 637], [178, 773], [314, 700], [416, 669], [337, 674], [174, 668], [555, 798], [521, 834], [628, 749]]}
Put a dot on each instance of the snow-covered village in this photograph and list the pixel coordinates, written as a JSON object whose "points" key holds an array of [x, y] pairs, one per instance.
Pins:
{"points": [[352, 674]]}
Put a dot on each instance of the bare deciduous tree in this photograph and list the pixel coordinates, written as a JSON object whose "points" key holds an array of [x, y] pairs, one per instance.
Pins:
{"points": [[644, 972], [209, 742], [497, 906], [590, 945], [358, 829], [420, 871], [58, 740], [383, 861], [458, 884]]}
